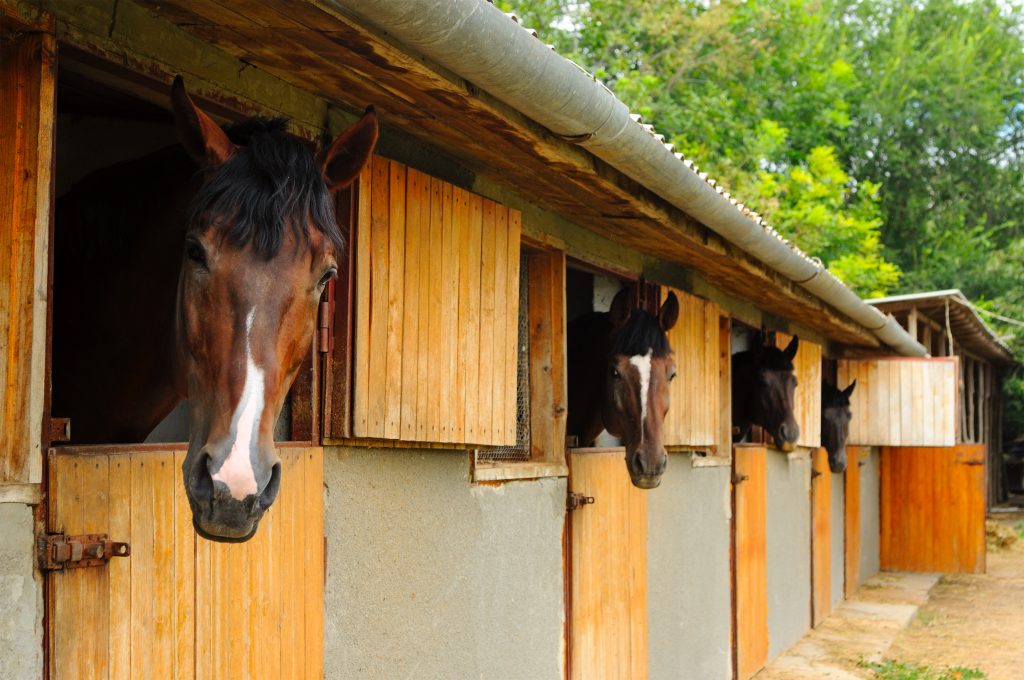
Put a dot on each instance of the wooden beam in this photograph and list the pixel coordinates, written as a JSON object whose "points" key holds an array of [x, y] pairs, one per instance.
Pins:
{"points": [[315, 48]]}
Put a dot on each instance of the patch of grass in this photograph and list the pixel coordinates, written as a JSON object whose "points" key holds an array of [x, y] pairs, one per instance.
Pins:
{"points": [[902, 670], [1019, 528]]}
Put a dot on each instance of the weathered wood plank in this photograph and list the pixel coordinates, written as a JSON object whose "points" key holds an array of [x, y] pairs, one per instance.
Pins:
{"points": [[609, 577], [363, 308], [396, 299], [821, 536], [751, 559], [411, 304], [27, 66]]}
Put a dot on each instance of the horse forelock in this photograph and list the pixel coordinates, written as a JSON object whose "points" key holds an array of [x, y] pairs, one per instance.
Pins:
{"points": [[641, 335], [773, 359], [271, 184]]}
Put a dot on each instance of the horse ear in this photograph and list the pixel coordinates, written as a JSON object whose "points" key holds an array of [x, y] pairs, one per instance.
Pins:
{"points": [[203, 139], [621, 308], [350, 151], [849, 389], [791, 348], [669, 312]]}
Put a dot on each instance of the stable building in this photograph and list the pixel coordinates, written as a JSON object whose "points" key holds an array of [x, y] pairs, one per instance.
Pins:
{"points": [[433, 521]]}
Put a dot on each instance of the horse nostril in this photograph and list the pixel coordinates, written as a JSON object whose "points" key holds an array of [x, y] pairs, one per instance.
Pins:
{"points": [[201, 479], [269, 493]]}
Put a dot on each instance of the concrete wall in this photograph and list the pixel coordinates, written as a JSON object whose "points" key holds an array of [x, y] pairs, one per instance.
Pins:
{"points": [[870, 520], [430, 576], [21, 596], [688, 580], [837, 526], [789, 550]]}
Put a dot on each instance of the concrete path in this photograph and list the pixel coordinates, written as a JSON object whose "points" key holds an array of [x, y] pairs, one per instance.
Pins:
{"points": [[863, 627]]}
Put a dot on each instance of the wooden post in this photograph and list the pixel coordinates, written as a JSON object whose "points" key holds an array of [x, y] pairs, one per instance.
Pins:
{"points": [[27, 65]]}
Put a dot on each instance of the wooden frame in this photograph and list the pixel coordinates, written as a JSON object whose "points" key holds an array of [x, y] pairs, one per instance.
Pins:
{"points": [[27, 90], [548, 389]]}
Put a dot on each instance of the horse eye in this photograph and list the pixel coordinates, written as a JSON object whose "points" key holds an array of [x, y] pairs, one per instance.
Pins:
{"points": [[615, 372], [196, 253], [328, 275], [672, 376]]}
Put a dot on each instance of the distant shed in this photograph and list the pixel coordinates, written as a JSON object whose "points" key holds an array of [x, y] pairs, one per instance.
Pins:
{"points": [[948, 325]]}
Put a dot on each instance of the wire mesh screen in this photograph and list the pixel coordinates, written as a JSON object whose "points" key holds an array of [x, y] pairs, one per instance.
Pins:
{"points": [[521, 450]]}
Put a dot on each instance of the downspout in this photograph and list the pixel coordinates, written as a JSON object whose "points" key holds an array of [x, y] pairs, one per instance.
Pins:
{"points": [[476, 41]]}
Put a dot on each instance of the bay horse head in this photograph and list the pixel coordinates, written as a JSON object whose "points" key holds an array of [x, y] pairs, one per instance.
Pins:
{"points": [[835, 422], [261, 245], [763, 387], [622, 382]]}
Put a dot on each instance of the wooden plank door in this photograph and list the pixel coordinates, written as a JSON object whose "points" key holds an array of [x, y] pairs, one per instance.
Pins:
{"points": [[608, 579], [181, 606], [933, 509], [27, 65], [821, 537], [750, 566], [851, 518]]}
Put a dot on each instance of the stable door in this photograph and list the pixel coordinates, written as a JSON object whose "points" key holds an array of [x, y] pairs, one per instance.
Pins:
{"points": [[607, 569]]}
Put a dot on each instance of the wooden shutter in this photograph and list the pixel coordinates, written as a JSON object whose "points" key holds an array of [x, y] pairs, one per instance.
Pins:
{"points": [[902, 401], [694, 410], [807, 406], [436, 311], [26, 152]]}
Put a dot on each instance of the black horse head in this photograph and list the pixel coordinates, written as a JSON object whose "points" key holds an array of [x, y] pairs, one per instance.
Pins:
{"points": [[763, 386], [835, 423]]}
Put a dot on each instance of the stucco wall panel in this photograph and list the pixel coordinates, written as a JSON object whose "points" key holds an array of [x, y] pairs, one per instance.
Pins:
{"points": [[21, 596], [430, 576], [838, 527], [688, 584], [870, 511], [789, 550]]}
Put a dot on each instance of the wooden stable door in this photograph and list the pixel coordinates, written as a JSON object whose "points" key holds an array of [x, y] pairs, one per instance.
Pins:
{"points": [[855, 458], [608, 578], [750, 555], [821, 537], [933, 508], [181, 606]]}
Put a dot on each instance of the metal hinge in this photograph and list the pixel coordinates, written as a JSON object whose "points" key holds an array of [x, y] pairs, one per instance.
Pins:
{"points": [[324, 326], [57, 551], [575, 501]]}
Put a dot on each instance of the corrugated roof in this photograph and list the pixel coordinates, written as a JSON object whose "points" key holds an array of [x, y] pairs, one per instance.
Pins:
{"points": [[963, 321]]}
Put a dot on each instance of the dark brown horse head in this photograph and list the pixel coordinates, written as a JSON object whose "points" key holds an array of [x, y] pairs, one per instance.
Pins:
{"points": [[835, 422], [261, 246], [640, 366], [763, 387]]}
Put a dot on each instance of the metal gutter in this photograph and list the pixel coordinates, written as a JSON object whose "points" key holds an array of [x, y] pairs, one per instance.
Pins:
{"points": [[479, 43]]}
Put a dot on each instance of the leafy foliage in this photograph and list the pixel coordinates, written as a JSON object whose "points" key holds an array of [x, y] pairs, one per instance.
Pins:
{"points": [[901, 670], [885, 137]]}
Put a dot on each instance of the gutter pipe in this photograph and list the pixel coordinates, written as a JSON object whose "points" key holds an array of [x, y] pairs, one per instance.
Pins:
{"points": [[481, 44]]}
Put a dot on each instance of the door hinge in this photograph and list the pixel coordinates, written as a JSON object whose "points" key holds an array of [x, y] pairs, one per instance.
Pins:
{"points": [[574, 501], [324, 326], [58, 551], [739, 479]]}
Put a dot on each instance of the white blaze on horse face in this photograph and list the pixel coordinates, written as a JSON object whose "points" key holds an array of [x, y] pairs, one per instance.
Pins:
{"points": [[237, 471], [643, 365]]}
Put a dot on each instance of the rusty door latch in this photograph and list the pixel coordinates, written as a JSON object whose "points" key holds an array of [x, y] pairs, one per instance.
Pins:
{"points": [[58, 551], [574, 501]]}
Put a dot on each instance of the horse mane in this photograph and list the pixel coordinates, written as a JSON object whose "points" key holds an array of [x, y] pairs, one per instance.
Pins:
{"points": [[774, 359], [270, 184], [641, 334], [832, 395]]}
